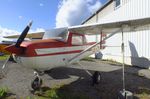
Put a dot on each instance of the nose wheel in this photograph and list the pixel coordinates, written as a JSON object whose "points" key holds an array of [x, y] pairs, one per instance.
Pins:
{"points": [[37, 82]]}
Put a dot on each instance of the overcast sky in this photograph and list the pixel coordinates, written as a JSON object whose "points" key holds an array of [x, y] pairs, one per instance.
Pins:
{"points": [[46, 14]]}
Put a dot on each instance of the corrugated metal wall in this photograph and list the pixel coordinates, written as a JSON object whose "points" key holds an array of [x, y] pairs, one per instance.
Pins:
{"points": [[132, 9], [137, 46]]}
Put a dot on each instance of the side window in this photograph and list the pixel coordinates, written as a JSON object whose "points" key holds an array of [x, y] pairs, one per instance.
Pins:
{"points": [[117, 3], [77, 40]]}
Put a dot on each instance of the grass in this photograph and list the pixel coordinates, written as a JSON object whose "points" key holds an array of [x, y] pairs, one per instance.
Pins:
{"points": [[4, 57], [3, 92], [143, 93], [88, 59], [111, 62], [58, 93]]}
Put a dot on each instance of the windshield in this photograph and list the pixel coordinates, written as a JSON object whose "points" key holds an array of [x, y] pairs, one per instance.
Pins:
{"points": [[58, 33]]}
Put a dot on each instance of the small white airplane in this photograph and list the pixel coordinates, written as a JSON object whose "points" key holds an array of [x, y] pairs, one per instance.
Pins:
{"points": [[68, 46]]}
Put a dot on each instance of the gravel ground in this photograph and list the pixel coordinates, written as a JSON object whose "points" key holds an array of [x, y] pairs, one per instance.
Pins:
{"points": [[18, 79]]}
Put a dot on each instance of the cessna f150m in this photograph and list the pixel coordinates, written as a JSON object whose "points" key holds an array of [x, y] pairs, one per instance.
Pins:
{"points": [[68, 47]]}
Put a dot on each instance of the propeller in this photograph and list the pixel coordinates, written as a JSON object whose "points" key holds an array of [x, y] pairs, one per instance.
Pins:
{"points": [[23, 35], [4, 65], [19, 41]]}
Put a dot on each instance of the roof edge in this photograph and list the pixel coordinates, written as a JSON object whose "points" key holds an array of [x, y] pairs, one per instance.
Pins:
{"points": [[100, 9]]}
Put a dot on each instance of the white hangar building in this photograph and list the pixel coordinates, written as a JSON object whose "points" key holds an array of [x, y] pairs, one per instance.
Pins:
{"points": [[137, 43]]}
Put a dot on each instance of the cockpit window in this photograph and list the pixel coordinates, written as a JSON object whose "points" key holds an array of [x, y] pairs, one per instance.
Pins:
{"points": [[78, 39]]}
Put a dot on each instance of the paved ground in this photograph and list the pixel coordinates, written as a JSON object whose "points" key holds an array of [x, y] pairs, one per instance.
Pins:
{"points": [[18, 79]]}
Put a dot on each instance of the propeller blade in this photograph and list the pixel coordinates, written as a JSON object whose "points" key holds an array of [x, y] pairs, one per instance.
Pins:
{"points": [[23, 35], [4, 65]]}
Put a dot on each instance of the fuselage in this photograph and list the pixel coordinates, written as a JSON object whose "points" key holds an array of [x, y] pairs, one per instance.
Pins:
{"points": [[49, 53]]}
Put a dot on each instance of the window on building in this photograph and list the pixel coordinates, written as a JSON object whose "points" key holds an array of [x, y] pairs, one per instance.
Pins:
{"points": [[117, 3]]}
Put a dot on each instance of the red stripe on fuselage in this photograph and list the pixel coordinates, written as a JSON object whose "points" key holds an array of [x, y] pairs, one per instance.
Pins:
{"points": [[44, 44], [27, 49]]}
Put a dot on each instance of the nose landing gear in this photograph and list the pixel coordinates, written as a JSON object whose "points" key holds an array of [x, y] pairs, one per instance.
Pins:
{"points": [[37, 82]]}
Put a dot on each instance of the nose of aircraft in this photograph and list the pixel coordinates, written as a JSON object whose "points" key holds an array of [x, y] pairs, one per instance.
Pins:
{"points": [[13, 49], [17, 49]]}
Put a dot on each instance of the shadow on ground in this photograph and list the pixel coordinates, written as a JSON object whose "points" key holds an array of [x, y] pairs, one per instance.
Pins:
{"points": [[64, 73], [109, 86]]}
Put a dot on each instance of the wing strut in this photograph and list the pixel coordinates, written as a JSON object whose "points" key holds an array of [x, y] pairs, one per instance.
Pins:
{"points": [[123, 63], [124, 92], [92, 46]]}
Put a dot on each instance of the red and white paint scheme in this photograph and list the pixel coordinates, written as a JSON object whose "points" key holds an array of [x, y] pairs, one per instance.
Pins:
{"points": [[49, 53]]}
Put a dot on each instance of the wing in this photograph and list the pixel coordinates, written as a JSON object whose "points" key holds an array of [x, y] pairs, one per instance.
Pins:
{"points": [[109, 27], [35, 35], [11, 40]]}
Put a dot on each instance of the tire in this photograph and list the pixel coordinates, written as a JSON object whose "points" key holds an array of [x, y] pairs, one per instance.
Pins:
{"points": [[36, 83], [96, 78]]}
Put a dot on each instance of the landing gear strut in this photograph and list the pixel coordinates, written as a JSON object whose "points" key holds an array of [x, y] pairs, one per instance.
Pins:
{"points": [[37, 82], [96, 77]]}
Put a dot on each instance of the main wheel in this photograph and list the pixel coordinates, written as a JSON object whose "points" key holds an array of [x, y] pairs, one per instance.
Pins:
{"points": [[96, 78], [36, 83]]}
